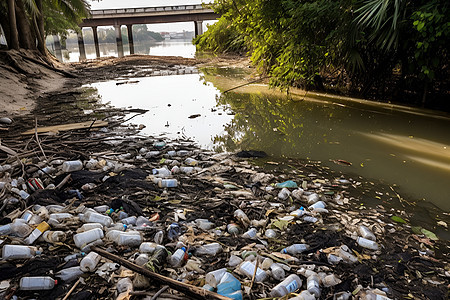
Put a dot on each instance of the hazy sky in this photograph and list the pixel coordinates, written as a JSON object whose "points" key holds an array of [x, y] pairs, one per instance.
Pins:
{"points": [[188, 26]]}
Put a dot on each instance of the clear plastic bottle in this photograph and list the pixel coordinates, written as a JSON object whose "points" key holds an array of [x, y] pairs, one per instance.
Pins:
{"points": [[167, 183], [84, 238], [131, 239], [242, 217], [313, 286], [89, 226], [213, 278], [162, 172], [69, 274], [234, 261], [248, 268], [304, 295], [129, 221], [37, 283], [313, 198], [289, 285], [190, 161], [20, 228], [60, 216], [124, 285], [6, 229], [365, 243], [19, 252], [142, 259], [71, 166], [147, 247], [233, 228], [250, 234], [317, 205], [178, 257], [89, 262], [277, 272], [270, 233], [284, 194], [295, 249], [366, 233], [209, 249], [310, 219], [297, 194], [143, 221], [101, 209]]}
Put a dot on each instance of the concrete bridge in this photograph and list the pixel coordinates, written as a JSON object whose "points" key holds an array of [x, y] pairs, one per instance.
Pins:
{"points": [[143, 15]]}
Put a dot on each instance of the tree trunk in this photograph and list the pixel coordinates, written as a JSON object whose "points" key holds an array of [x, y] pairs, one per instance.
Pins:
{"points": [[39, 19], [4, 22], [13, 33], [26, 38]]}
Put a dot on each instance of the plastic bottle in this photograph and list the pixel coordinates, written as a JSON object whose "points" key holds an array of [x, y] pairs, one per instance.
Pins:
{"points": [[69, 274], [89, 262], [209, 249], [366, 233], [242, 217], [248, 268], [190, 161], [159, 237], [297, 194], [289, 285], [19, 252], [277, 272], [229, 287], [312, 285], [89, 226], [74, 256], [304, 295], [20, 228], [318, 204], [270, 233], [37, 283], [298, 213], [131, 239], [6, 229], [84, 238], [213, 278], [313, 198], [124, 285], [310, 219], [177, 258], [169, 183], [143, 221], [129, 221], [141, 260], [284, 194], [161, 172], [71, 166], [234, 261], [101, 209], [233, 229], [60, 216], [250, 234], [204, 224], [365, 243], [41, 228], [295, 249], [147, 247], [94, 217], [330, 280]]}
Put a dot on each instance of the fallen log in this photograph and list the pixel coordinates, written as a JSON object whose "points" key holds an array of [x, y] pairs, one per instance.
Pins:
{"points": [[190, 290]]}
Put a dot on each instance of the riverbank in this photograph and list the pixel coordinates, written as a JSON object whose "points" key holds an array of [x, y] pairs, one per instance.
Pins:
{"points": [[409, 261]]}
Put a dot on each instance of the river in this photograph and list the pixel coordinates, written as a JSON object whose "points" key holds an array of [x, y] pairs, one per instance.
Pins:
{"points": [[405, 148]]}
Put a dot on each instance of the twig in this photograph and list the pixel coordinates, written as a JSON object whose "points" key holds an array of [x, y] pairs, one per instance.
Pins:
{"points": [[63, 182], [250, 82], [72, 289], [254, 273], [159, 292], [37, 138], [190, 290]]}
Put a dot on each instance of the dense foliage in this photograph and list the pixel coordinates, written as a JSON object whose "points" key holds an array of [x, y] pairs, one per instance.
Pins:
{"points": [[355, 44]]}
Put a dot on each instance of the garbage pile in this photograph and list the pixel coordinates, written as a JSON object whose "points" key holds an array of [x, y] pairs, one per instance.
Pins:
{"points": [[215, 222]]}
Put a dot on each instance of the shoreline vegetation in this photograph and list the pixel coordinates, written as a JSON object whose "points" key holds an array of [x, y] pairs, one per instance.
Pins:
{"points": [[381, 50]]}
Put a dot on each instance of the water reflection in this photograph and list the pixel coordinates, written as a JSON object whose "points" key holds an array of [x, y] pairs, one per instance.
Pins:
{"points": [[411, 151]]}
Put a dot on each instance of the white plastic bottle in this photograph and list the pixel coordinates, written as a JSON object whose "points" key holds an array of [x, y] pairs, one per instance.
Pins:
{"points": [[89, 226], [71, 166], [295, 249], [84, 238], [131, 239], [365, 243], [94, 217], [250, 234], [248, 268], [209, 249], [177, 258], [289, 285], [37, 283], [19, 252], [89, 262], [277, 272]]}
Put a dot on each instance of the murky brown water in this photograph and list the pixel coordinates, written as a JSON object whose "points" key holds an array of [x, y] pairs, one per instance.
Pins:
{"points": [[406, 148]]}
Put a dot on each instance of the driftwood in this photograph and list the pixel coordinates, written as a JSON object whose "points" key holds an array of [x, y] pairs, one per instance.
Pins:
{"points": [[66, 127], [190, 290]]}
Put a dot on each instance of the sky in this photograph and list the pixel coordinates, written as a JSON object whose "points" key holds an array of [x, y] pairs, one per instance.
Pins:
{"points": [[188, 26]]}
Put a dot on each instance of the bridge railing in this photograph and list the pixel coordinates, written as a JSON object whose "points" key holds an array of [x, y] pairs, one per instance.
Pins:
{"points": [[99, 12]]}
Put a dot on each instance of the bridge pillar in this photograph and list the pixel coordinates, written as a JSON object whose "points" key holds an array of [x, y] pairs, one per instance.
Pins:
{"points": [[130, 38], [119, 40], [81, 45], [97, 48], [58, 52], [198, 27]]}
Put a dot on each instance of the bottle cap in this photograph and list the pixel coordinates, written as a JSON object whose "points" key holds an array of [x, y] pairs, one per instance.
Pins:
{"points": [[38, 252], [56, 281]]}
